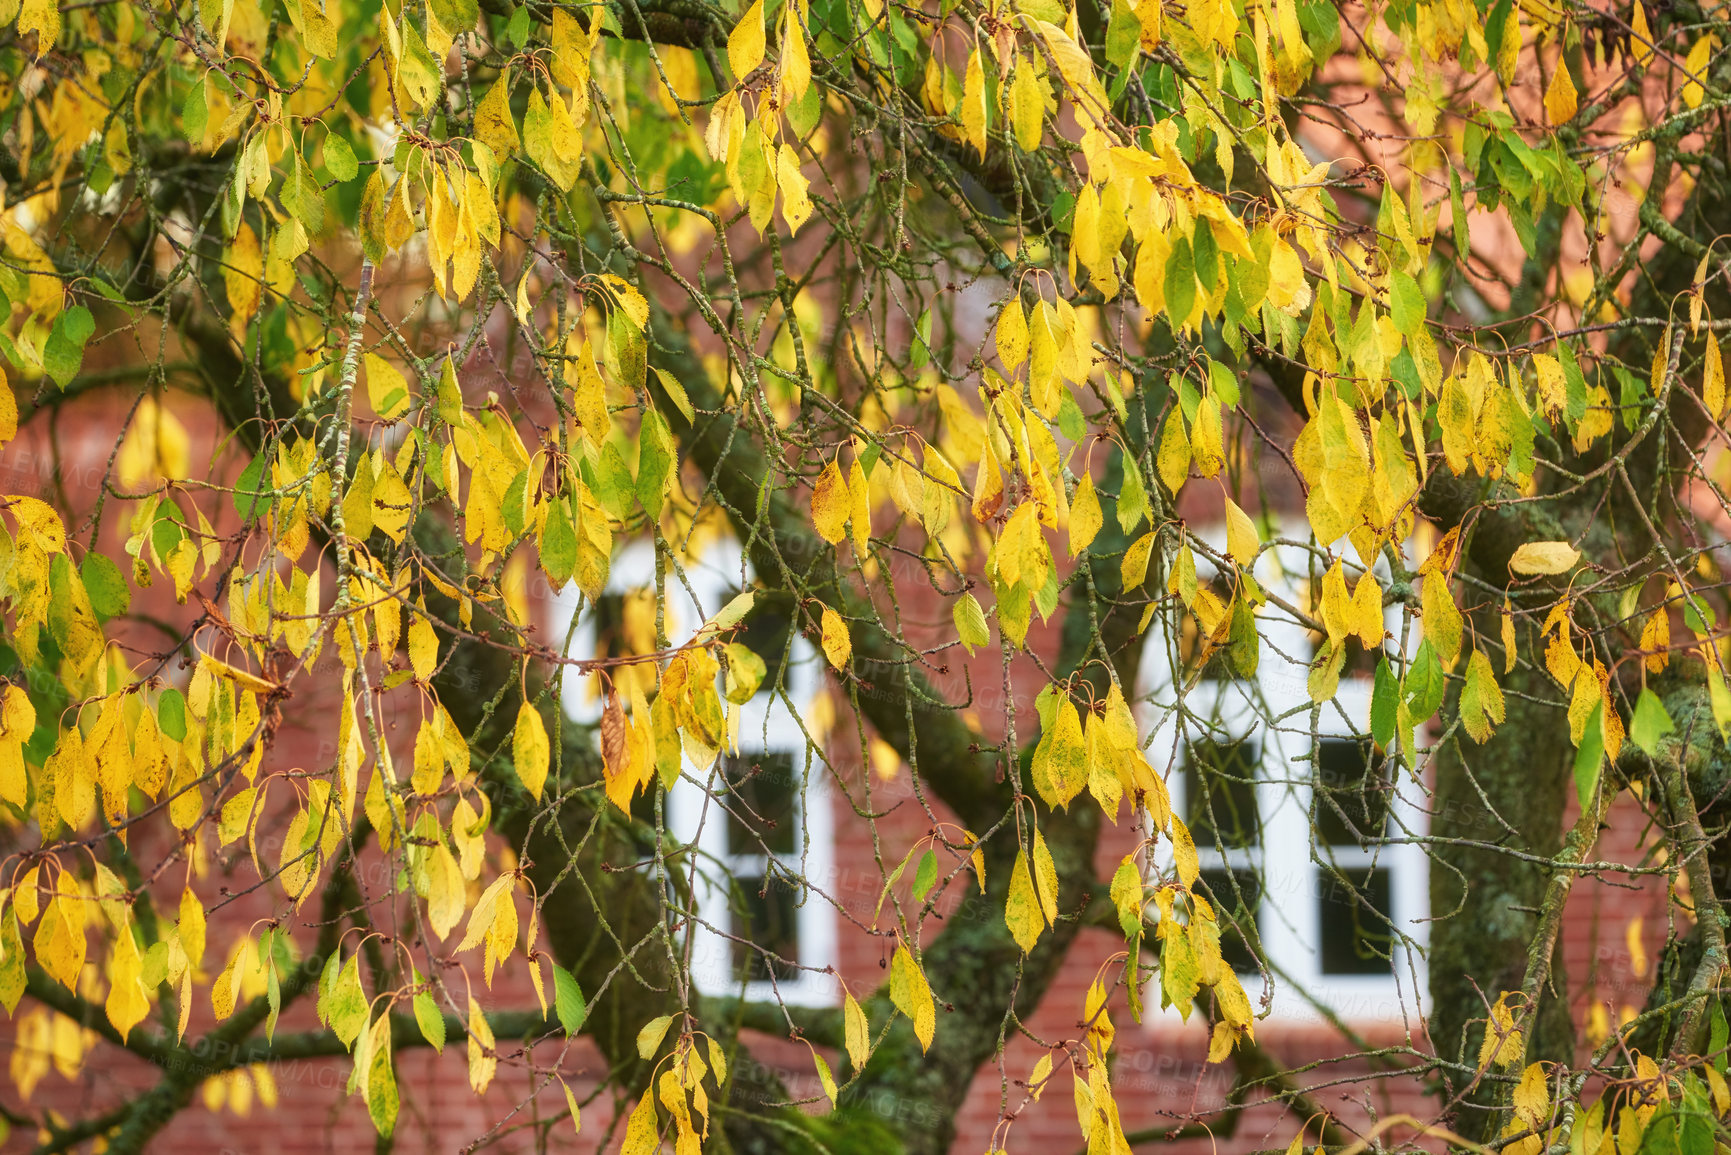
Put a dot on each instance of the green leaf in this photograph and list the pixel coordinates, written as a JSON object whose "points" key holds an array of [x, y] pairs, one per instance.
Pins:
{"points": [[456, 15], [559, 543], [1132, 498], [346, 1010], [925, 875], [1718, 1035], [568, 1001], [340, 158], [1590, 755], [301, 195], [109, 596], [1425, 683], [613, 485], [971, 623], [517, 28], [63, 353], [1072, 423], [431, 1022], [627, 352], [1180, 283], [1244, 644], [920, 352], [171, 714], [195, 112], [655, 461], [1384, 698], [676, 392], [1225, 384], [1406, 303], [1123, 35], [252, 498], [1650, 723]]}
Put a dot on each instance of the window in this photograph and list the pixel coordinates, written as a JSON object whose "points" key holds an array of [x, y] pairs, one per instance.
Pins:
{"points": [[1351, 790], [762, 804], [759, 818], [1302, 827], [1354, 917], [1220, 790], [1236, 896]]}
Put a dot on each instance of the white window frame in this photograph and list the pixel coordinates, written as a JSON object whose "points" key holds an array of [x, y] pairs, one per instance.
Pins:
{"points": [[763, 725], [1289, 913]]}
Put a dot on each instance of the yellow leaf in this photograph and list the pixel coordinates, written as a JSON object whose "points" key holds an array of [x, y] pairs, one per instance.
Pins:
{"points": [[795, 203], [1012, 334], [1022, 907], [1544, 557], [1060, 763], [859, 508], [1085, 516], [1134, 568], [837, 646], [1242, 540], [1442, 619], [1184, 853], [912, 995], [1712, 383], [974, 104], [1656, 640], [830, 501], [423, 647], [482, 1062], [243, 272], [1041, 1073], [1045, 879], [387, 389], [1173, 460], [1504, 1043], [1696, 65], [1366, 614], [857, 1030], [641, 1137], [1028, 97], [495, 127], [1641, 43], [1560, 102], [795, 60], [571, 1105], [59, 938], [8, 412], [745, 43], [127, 1003], [530, 752], [43, 18], [650, 1035], [1207, 449]]}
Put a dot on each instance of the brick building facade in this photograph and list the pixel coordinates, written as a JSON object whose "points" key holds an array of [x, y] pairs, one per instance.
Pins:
{"points": [[1613, 929]]}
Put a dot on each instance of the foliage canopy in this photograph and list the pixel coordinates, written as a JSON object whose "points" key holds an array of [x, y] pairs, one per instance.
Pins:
{"points": [[1412, 308]]}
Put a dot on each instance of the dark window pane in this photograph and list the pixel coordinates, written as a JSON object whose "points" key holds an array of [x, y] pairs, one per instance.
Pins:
{"points": [[765, 919], [1236, 921], [1352, 791], [1220, 792], [761, 796], [1355, 933]]}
